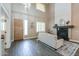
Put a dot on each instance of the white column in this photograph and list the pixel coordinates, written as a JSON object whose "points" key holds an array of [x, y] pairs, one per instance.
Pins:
{"points": [[0, 33]]}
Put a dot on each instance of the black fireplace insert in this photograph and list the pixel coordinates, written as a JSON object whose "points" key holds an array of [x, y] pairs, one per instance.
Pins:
{"points": [[62, 33]]}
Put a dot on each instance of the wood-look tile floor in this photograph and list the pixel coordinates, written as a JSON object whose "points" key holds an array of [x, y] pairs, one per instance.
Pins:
{"points": [[30, 48]]}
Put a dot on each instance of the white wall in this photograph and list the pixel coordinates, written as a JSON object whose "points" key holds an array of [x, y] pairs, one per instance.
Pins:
{"points": [[62, 11], [18, 7], [0, 33], [7, 9]]}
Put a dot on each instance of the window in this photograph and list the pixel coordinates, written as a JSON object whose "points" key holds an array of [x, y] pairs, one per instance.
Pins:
{"points": [[40, 27], [27, 5], [40, 7], [3, 27], [25, 27]]}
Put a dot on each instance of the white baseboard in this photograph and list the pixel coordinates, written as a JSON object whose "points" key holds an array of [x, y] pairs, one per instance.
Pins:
{"points": [[74, 41], [31, 37]]}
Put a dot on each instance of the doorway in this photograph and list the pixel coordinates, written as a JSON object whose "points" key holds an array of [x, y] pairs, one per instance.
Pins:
{"points": [[20, 29]]}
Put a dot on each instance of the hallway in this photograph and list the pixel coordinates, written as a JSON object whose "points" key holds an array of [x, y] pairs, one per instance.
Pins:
{"points": [[30, 48]]}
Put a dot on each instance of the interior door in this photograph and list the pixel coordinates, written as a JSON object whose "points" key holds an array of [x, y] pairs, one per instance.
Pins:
{"points": [[18, 29]]}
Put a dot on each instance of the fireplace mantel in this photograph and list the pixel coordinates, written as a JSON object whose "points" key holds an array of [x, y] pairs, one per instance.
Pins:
{"points": [[69, 26], [62, 31]]}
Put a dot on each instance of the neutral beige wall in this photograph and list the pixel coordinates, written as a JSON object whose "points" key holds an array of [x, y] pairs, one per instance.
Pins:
{"points": [[50, 16], [75, 22]]}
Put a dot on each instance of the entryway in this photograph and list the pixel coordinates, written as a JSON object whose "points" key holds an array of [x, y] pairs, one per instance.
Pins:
{"points": [[20, 29]]}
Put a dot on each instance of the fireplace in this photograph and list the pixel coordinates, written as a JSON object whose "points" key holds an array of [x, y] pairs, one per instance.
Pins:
{"points": [[62, 32]]}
